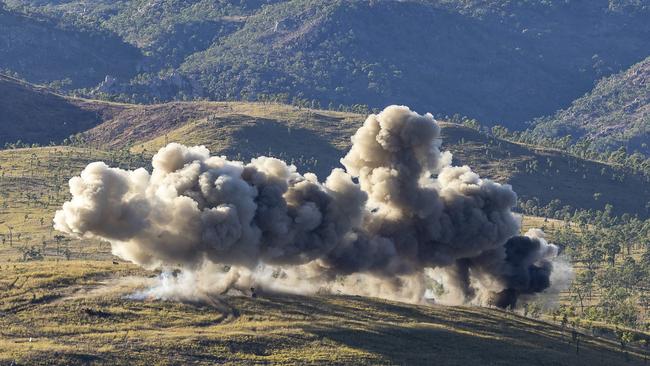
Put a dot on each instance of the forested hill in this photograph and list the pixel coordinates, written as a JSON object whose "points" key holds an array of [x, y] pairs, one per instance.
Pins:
{"points": [[499, 62], [616, 113], [428, 55], [38, 49]]}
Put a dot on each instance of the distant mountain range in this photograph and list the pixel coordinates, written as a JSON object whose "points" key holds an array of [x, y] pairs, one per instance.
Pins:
{"points": [[500, 62]]}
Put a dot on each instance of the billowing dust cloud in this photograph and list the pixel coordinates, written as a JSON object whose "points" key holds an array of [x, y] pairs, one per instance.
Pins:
{"points": [[397, 217]]}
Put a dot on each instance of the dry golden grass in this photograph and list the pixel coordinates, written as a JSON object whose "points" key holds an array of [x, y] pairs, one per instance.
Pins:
{"points": [[64, 307], [68, 325], [33, 185]]}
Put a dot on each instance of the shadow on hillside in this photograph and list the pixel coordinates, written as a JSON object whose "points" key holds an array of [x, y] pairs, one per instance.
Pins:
{"points": [[401, 345], [407, 334], [369, 310], [546, 175], [303, 147], [35, 115]]}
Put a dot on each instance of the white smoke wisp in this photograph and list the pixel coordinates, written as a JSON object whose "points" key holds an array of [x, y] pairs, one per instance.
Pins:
{"points": [[374, 228], [207, 284]]}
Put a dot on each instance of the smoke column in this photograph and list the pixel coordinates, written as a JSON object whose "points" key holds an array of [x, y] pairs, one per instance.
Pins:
{"points": [[398, 210]]}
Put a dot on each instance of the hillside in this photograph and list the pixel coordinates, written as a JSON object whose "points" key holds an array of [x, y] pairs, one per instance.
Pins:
{"points": [[549, 177], [39, 50], [68, 300], [315, 140], [34, 114], [498, 62], [77, 313], [615, 113], [486, 67], [495, 212]]}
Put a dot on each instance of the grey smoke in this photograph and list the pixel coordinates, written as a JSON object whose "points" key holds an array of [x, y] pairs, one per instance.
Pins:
{"points": [[397, 209]]}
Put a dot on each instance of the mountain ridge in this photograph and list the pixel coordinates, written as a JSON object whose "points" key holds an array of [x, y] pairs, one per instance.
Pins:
{"points": [[504, 63]]}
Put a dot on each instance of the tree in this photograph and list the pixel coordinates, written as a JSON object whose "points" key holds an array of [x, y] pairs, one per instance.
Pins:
{"points": [[624, 338], [583, 286], [58, 238], [619, 307], [612, 248], [11, 235]]}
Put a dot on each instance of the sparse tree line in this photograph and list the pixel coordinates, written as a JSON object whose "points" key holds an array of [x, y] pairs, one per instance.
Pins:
{"points": [[635, 162], [75, 140], [610, 293], [611, 256], [47, 173], [298, 101]]}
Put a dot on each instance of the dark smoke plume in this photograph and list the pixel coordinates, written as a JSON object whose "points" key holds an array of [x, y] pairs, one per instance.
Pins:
{"points": [[398, 209]]}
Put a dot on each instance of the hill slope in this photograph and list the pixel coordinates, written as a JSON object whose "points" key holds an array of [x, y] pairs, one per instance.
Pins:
{"points": [[615, 113], [36, 115], [315, 140], [41, 51], [78, 312], [424, 54]]}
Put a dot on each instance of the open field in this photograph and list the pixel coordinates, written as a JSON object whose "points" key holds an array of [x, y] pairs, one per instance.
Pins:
{"points": [[70, 298], [33, 185]]}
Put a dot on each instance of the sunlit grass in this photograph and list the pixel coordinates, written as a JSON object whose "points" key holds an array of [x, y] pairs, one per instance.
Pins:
{"points": [[278, 329]]}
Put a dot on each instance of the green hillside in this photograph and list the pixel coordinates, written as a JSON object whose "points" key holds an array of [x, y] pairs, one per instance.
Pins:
{"points": [[170, 31], [424, 54], [615, 113]]}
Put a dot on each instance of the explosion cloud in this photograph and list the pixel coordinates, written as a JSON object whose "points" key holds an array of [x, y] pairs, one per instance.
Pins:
{"points": [[398, 209]]}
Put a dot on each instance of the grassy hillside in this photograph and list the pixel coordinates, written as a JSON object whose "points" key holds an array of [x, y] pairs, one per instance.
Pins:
{"points": [[33, 185], [63, 301], [499, 62], [615, 113], [611, 261], [315, 140], [75, 313]]}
